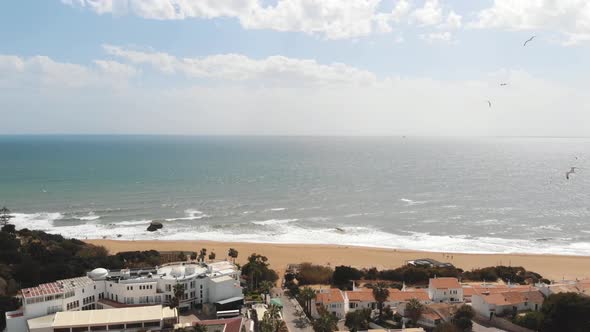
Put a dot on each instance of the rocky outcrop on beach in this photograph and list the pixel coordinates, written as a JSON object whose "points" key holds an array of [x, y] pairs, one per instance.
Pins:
{"points": [[154, 226]]}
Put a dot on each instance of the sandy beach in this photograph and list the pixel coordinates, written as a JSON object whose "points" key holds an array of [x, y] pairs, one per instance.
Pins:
{"points": [[554, 267]]}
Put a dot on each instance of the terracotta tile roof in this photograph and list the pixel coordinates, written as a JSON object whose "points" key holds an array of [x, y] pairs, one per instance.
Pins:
{"points": [[406, 296], [231, 324], [56, 287], [492, 289], [512, 298], [431, 315], [333, 296], [361, 295], [395, 295], [445, 283]]}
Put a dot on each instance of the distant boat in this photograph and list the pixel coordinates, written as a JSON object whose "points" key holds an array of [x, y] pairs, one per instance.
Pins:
{"points": [[340, 230]]}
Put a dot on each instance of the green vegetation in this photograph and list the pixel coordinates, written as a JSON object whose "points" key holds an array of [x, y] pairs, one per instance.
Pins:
{"points": [[178, 291], [271, 322], [566, 312], [531, 320], [200, 328], [380, 293], [310, 274], [306, 295], [358, 320], [233, 253], [414, 310], [344, 275], [326, 322], [257, 271], [462, 318], [514, 274], [560, 312]]}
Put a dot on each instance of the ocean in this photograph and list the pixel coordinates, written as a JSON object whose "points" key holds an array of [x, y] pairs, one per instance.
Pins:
{"points": [[489, 195]]}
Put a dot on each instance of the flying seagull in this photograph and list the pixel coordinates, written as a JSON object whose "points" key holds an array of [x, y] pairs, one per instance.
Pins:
{"points": [[530, 39], [503, 84], [490, 103], [571, 171]]}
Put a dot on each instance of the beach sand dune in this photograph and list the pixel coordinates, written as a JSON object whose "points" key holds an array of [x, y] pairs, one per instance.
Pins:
{"points": [[554, 267]]}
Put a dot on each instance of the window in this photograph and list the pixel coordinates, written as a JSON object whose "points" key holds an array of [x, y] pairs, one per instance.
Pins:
{"points": [[80, 329], [62, 330], [151, 324], [53, 309], [133, 325], [168, 288], [98, 328], [116, 327]]}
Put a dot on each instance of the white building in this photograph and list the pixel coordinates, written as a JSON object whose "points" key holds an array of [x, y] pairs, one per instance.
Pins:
{"points": [[340, 302], [115, 320], [102, 289], [506, 303], [445, 290]]}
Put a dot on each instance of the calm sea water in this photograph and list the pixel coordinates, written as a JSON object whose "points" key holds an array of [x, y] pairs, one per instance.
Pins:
{"points": [[444, 194]]}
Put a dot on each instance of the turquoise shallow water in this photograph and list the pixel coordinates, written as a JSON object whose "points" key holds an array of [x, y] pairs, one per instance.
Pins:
{"points": [[447, 194]]}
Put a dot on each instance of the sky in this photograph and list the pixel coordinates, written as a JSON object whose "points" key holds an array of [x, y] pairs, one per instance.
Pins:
{"points": [[295, 67]]}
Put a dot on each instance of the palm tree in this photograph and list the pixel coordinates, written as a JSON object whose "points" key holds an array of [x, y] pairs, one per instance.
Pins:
{"points": [[200, 328], [178, 291], [266, 286], [326, 322], [233, 253], [380, 293], [358, 320], [306, 295], [271, 322], [5, 216], [414, 310], [202, 254]]}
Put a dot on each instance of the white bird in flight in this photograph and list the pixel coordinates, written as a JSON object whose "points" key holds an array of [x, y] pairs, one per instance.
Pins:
{"points": [[571, 171], [529, 40], [490, 103]]}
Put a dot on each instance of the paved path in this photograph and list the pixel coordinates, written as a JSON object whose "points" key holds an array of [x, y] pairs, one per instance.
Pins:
{"points": [[290, 306]]}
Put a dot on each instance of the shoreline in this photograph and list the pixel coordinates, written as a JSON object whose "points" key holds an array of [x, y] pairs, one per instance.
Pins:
{"points": [[553, 267]]}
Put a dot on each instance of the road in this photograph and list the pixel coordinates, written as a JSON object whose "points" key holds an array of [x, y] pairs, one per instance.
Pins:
{"points": [[290, 306]]}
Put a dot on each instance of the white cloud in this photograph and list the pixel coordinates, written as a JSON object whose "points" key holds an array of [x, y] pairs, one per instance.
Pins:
{"points": [[42, 71], [430, 14], [385, 20], [453, 21], [220, 97], [570, 17], [235, 67], [332, 19]]}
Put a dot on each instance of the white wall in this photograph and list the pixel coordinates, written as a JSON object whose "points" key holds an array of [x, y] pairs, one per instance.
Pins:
{"points": [[445, 295]]}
